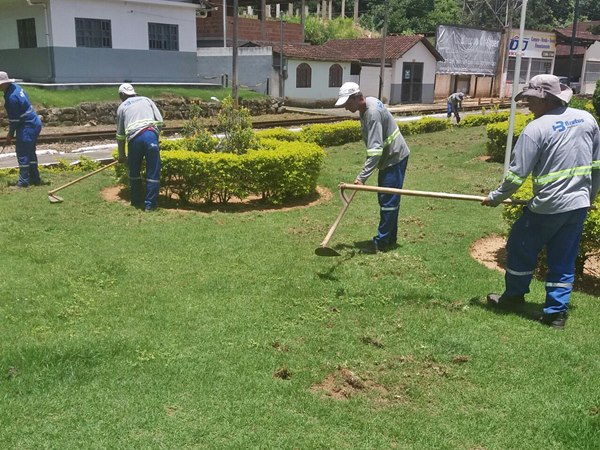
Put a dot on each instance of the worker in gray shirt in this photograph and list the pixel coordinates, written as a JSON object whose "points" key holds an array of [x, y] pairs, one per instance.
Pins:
{"points": [[560, 148], [386, 151], [455, 104], [138, 123]]}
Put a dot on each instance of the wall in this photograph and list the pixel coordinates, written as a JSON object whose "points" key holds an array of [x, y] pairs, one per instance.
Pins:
{"points": [[418, 53], [592, 54], [254, 66], [319, 89], [171, 109], [369, 82], [129, 59], [210, 30]]}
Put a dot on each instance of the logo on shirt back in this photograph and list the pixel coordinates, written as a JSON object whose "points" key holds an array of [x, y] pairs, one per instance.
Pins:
{"points": [[562, 125]]}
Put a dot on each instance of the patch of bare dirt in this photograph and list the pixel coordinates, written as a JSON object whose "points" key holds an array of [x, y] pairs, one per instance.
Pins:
{"points": [[343, 384], [117, 194]]}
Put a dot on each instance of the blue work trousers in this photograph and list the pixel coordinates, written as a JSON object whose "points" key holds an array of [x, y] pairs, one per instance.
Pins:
{"points": [[25, 146], [389, 204], [560, 234], [144, 146]]}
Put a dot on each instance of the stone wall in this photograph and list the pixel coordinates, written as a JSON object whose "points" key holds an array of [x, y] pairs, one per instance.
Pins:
{"points": [[172, 109]]}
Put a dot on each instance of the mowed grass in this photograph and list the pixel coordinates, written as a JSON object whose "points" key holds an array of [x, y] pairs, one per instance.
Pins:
{"points": [[182, 330], [60, 98]]}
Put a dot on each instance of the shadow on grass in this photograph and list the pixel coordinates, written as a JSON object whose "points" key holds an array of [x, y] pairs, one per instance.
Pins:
{"points": [[119, 193]]}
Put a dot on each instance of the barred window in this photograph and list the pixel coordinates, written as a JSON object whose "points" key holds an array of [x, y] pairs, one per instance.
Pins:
{"points": [[303, 76], [26, 33], [94, 33], [163, 36], [335, 75], [592, 71]]}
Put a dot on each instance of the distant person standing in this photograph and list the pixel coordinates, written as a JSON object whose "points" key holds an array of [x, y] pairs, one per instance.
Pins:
{"points": [[560, 148], [139, 122], [455, 105], [386, 151], [24, 126]]}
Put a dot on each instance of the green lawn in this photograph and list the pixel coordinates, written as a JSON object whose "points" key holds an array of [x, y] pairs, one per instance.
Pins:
{"points": [[183, 330], [60, 98]]}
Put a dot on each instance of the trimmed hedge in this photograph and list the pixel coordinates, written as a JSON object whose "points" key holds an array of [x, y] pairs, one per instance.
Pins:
{"points": [[590, 240], [476, 120], [497, 134], [276, 172]]}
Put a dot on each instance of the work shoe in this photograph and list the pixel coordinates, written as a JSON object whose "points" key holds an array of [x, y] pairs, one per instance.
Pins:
{"points": [[555, 320], [371, 249], [505, 301]]}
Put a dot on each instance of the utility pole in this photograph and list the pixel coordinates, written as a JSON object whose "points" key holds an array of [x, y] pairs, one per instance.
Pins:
{"points": [[383, 36], [573, 35], [234, 45]]}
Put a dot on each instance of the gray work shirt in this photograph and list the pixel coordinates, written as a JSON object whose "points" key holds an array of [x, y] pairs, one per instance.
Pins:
{"points": [[561, 150], [385, 144]]}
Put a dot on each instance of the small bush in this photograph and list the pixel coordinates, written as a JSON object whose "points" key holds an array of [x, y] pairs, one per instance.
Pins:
{"points": [[497, 134], [476, 120], [328, 135], [596, 99], [279, 133]]}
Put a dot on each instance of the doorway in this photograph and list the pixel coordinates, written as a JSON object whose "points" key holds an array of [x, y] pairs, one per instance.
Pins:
{"points": [[412, 82]]}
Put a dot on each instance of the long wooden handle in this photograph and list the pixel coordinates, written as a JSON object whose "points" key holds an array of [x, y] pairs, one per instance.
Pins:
{"points": [[337, 221], [445, 195], [82, 178]]}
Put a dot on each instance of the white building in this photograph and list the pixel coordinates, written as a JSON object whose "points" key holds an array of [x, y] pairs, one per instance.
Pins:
{"points": [[63, 41]]}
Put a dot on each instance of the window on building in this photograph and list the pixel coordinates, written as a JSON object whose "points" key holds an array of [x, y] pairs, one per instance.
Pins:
{"points": [[303, 76], [94, 33], [335, 75], [26, 33], [592, 71], [540, 66], [163, 36], [510, 71]]}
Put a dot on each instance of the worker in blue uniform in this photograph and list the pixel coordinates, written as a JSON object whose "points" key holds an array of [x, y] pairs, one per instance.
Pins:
{"points": [[139, 123], [560, 148], [24, 126]]}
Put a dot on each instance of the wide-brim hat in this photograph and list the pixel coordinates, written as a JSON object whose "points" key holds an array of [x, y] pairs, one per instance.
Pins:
{"points": [[542, 85], [4, 78]]}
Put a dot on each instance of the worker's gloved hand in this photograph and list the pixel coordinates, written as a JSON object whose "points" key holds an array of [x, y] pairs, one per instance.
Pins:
{"points": [[358, 182]]}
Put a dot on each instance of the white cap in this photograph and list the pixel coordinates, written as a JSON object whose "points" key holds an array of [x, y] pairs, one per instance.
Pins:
{"points": [[542, 85], [348, 89], [126, 89]]}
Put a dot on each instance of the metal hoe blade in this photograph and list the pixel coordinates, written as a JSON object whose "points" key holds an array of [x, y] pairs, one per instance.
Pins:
{"points": [[54, 198], [326, 251]]}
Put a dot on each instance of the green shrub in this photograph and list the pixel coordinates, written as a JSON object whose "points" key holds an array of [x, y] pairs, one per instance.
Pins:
{"points": [[328, 135], [590, 240], [276, 171], [476, 120], [596, 99], [279, 133], [427, 125], [497, 134]]}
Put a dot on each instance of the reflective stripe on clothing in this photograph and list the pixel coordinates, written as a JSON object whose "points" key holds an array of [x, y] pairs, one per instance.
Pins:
{"points": [[391, 138], [393, 208], [595, 165], [519, 274], [374, 151], [564, 285], [562, 174], [514, 178], [152, 181]]}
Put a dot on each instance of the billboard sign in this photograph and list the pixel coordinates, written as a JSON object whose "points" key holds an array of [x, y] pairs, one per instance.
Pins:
{"points": [[467, 50], [536, 44]]}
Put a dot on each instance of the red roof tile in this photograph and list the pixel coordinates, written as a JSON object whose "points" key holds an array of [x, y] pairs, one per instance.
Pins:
{"points": [[370, 49]]}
